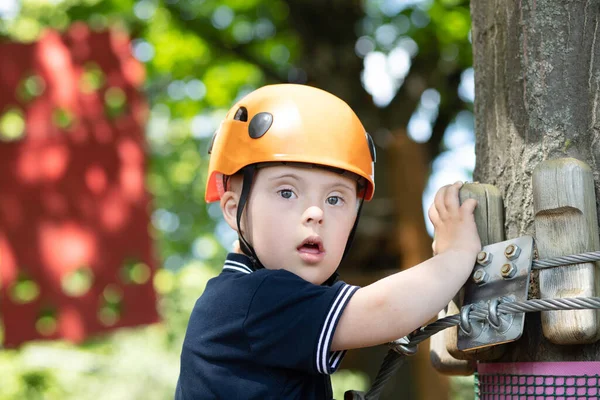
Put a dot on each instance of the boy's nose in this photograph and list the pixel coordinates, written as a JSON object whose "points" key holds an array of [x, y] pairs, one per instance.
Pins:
{"points": [[313, 215]]}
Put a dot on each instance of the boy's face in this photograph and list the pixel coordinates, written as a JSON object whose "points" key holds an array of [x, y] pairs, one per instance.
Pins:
{"points": [[299, 219]]}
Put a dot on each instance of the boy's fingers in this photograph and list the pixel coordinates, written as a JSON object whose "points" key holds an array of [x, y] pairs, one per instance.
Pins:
{"points": [[469, 205], [451, 197], [433, 215], [438, 201]]}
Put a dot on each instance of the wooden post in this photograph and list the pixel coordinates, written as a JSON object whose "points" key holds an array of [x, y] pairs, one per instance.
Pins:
{"points": [[537, 86], [489, 218], [440, 357], [566, 223]]}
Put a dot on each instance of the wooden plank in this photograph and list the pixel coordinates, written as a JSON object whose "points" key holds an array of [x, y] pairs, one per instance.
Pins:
{"points": [[566, 223], [442, 360], [489, 217]]}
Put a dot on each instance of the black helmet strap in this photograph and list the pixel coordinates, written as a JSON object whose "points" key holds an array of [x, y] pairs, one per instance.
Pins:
{"points": [[353, 231], [249, 173], [334, 277]]}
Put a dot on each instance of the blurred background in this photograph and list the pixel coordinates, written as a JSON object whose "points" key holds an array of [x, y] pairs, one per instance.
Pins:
{"points": [[107, 108]]}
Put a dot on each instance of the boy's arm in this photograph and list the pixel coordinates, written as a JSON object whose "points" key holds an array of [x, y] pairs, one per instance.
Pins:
{"points": [[398, 304]]}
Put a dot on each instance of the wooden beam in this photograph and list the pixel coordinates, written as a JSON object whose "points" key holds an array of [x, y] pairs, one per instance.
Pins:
{"points": [[566, 223], [489, 217]]}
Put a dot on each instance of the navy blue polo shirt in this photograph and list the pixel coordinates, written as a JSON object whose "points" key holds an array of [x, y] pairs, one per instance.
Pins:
{"points": [[263, 334]]}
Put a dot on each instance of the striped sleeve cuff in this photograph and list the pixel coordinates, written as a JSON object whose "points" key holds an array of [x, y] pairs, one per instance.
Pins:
{"points": [[327, 361]]}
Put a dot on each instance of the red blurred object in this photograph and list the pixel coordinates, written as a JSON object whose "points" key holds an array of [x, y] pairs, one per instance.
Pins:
{"points": [[75, 254]]}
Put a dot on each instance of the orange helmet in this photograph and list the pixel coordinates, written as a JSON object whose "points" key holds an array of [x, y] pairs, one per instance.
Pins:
{"points": [[290, 123]]}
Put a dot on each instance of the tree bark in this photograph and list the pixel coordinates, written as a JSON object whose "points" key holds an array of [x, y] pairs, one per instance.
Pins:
{"points": [[537, 85]]}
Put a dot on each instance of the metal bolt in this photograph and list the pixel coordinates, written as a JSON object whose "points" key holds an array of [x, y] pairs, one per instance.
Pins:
{"points": [[512, 251], [484, 258], [508, 270], [480, 277]]}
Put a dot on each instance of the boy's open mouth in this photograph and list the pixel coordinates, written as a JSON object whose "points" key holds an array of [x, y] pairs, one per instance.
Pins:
{"points": [[312, 244]]}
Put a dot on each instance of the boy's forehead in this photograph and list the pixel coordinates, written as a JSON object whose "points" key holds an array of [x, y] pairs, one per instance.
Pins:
{"points": [[308, 172]]}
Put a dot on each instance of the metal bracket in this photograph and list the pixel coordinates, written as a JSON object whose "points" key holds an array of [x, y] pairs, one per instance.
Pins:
{"points": [[500, 275]]}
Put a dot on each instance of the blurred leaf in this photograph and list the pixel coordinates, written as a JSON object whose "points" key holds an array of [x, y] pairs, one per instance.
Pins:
{"points": [[62, 118], [31, 87], [12, 124], [223, 81]]}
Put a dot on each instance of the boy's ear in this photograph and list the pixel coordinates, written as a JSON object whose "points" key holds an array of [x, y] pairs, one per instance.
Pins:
{"points": [[229, 206]]}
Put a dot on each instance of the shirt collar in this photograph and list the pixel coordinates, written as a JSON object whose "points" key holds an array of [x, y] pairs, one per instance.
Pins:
{"points": [[238, 262], [242, 263]]}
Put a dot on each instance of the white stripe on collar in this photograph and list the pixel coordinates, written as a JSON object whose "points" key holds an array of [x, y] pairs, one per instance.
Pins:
{"points": [[238, 264], [236, 269], [242, 269]]}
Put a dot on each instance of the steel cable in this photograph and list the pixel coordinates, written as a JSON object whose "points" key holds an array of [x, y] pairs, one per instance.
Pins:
{"points": [[566, 260], [400, 348]]}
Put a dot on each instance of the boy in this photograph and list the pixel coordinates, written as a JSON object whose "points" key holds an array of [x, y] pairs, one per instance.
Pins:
{"points": [[291, 166]]}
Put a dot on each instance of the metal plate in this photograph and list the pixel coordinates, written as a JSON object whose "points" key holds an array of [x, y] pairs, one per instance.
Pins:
{"points": [[515, 288]]}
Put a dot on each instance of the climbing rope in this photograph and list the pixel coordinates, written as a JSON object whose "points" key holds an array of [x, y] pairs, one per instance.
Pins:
{"points": [[408, 345]]}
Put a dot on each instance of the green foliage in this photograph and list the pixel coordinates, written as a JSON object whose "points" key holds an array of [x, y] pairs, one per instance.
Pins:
{"points": [[462, 388], [346, 379], [178, 53]]}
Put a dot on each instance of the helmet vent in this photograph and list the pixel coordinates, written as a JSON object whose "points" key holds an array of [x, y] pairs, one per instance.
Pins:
{"points": [[260, 124], [241, 114]]}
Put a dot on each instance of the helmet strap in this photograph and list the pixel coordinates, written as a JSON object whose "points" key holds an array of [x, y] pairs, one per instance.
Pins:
{"points": [[353, 231], [246, 248], [333, 278]]}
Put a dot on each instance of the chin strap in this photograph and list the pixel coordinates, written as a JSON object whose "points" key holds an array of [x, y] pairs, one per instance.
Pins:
{"points": [[334, 278], [353, 231], [248, 250]]}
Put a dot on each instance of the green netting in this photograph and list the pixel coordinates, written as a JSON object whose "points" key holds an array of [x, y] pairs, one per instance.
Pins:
{"points": [[534, 387]]}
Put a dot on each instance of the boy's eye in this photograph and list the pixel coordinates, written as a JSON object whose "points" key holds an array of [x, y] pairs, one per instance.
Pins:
{"points": [[286, 193], [334, 200]]}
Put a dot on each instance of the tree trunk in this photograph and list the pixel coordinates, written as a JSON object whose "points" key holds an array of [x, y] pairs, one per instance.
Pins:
{"points": [[537, 85]]}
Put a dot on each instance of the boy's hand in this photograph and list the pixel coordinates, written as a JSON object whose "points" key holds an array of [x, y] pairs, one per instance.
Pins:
{"points": [[454, 224]]}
